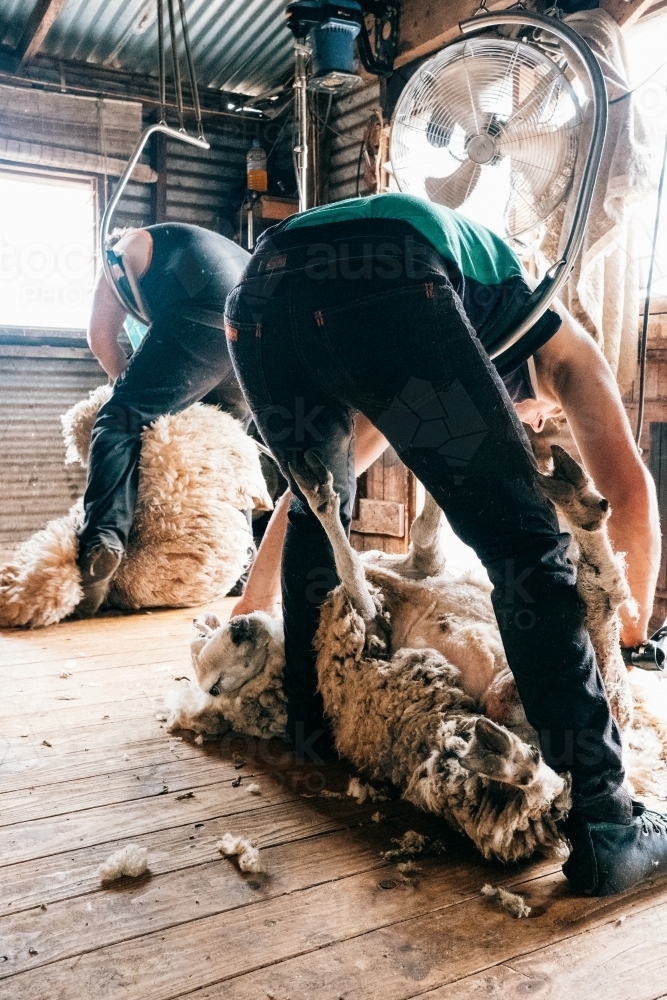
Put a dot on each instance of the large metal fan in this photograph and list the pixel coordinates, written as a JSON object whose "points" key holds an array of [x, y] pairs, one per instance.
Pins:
{"points": [[489, 126], [500, 112]]}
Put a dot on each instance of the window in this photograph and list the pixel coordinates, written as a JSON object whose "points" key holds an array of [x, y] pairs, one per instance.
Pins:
{"points": [[47, 251]]}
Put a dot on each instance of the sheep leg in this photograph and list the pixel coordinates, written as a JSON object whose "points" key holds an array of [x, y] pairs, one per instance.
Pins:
{"points": [[316, 483], [426, 556]]}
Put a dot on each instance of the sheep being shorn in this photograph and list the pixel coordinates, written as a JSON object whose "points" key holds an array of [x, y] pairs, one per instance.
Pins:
{"points": [[408, 719], [416, 718]]}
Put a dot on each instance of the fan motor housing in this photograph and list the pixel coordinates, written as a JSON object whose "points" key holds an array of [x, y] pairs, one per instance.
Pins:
{"points": [[331, 30]]}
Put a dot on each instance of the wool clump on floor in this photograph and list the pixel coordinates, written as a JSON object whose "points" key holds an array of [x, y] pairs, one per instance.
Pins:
{"points": [[360, 792], [130, 860], [246, 852], [410, 843], [509, 901]]}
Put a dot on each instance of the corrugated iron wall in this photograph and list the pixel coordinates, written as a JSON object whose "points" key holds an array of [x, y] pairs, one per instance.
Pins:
{"points": [[206, 188], [36, 386], [348, 120]]}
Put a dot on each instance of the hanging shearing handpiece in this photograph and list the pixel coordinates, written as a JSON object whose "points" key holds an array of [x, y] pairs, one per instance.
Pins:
{"points": [[649, 655]]}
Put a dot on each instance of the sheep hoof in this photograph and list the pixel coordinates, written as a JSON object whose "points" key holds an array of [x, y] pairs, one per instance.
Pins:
{"points": [[377, 640], [316, 483]]}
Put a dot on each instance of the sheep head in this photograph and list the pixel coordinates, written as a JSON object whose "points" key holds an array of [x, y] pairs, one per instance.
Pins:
{"points": [[226, 657], [498, 754], [573, 492]]}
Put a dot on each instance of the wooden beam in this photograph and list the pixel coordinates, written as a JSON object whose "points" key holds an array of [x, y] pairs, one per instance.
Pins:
{"points": [[44, 14], [626, 12], [426, 25]]}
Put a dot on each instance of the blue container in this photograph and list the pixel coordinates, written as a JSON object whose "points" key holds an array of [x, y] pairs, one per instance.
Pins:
{"points": [[333, 47]]}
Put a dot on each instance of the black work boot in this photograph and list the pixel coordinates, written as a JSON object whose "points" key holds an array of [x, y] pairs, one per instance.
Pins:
{"points": [[609, 857], [98, 565]]}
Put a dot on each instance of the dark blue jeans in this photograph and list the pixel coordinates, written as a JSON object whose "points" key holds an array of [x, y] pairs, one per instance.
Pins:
{"points": [[313, 344], [179, 362]]}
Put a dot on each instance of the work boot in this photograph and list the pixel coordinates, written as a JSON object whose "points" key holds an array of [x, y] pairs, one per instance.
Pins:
{"points": [[97, 565], [609, 857]]}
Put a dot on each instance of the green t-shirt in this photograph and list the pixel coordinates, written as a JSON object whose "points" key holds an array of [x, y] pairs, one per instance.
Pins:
{"points": [[478, 253]]}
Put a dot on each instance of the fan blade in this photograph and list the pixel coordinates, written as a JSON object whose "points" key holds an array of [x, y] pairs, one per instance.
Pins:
{"points": [[533, 142], [452, 191], [521, 211], [535, 102]]}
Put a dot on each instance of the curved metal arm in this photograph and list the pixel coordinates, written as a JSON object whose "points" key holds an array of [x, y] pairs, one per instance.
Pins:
{"points": [[118, 192], [558, 274]]}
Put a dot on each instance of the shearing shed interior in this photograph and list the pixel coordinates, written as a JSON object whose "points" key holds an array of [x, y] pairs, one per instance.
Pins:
{"points": [[333, 409]]}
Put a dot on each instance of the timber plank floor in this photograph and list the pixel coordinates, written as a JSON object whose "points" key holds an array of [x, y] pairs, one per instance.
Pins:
{"points": [[86, 767]]}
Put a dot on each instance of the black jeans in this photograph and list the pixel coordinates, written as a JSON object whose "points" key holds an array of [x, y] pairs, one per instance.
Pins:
{"points": [[179, 362], [309, 348]]}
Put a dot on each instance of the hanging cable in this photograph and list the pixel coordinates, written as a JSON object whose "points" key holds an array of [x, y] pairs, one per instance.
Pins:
{"points": [[191, 69], [160, 59], [176, 67], [647, 302]]}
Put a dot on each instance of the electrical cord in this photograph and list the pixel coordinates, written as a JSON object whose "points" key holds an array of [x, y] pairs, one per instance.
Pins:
{"points": [[361, 153], [624, 97], [647, 303]]}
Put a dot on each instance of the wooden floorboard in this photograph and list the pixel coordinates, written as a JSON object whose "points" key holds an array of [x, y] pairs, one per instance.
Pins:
{"points": [[86, 767]]}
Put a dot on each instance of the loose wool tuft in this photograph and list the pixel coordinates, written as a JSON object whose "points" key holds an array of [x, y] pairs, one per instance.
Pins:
{"points": [[513, 904], [190, 540], [359, 791], [244, 850], [130, 860]]}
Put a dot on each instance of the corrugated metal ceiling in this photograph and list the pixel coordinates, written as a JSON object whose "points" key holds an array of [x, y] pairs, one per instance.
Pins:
{"points": [[240, 46]]}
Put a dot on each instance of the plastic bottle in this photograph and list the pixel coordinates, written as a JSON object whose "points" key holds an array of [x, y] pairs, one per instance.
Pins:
{"points": [[256, 168]]}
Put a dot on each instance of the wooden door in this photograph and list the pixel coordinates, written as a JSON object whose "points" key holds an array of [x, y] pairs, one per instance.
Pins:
{"points": [[385, 506]]}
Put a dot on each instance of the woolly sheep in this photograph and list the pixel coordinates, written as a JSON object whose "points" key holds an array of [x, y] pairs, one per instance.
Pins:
{"points": [[414, 718], [190, 539]]}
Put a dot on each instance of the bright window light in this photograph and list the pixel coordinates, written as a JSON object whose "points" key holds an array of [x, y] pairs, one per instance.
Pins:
{"points": [[647, 62], [47, 246]]}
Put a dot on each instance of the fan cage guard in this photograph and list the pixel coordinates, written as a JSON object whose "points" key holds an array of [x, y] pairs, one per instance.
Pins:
{"points": [[490, 127]]}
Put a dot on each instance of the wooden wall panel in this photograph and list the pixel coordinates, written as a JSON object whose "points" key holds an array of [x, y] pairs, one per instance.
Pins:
{"points": [[391, 483]]}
